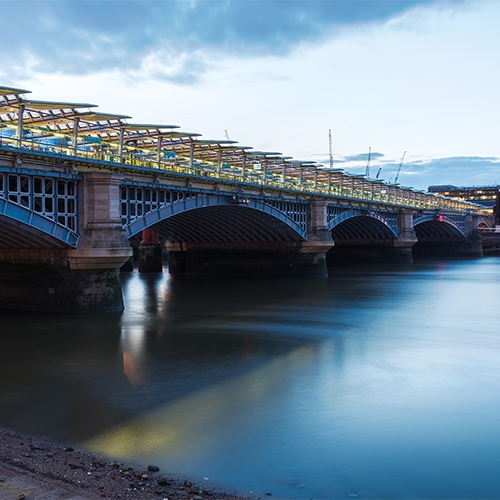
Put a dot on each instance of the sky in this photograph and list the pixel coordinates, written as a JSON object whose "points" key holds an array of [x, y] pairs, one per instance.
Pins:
{"points": [[421, 76]]}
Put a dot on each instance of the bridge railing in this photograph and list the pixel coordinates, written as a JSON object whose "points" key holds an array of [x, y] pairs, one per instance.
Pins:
{"points": [[322, 182]]}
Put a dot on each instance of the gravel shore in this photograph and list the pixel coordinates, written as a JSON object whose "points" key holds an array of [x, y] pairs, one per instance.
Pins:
{"points": [[37, 468]]}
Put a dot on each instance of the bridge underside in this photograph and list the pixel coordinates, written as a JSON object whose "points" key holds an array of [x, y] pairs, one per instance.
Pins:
{"points": [[437, 239], [14, 234], [237, 240], [364, 239], [225, 223]]}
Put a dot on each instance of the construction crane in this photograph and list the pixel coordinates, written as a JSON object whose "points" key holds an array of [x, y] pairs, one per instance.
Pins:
{"points": [[330, 142], [399, 168], [367, 171], [378, 173]]}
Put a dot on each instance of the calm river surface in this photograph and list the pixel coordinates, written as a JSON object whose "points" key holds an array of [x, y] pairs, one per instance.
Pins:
{"points": [[373, 383]]}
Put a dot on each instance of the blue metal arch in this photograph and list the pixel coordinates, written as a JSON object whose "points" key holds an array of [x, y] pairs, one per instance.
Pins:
{"points": [[31, 219], [433, 218], [349, 214], [193, 203]]}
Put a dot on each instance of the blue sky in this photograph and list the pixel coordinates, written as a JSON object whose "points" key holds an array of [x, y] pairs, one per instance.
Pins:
{"points": [[420, 76]]}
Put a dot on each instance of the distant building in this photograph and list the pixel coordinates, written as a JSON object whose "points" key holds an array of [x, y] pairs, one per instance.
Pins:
{"points": [[487, 196]]}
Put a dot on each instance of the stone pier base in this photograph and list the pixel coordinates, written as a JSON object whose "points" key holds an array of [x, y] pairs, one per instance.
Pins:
{"points": [[247, 262], [56, 288], [150, 258], [470, 247], [369, 253]]}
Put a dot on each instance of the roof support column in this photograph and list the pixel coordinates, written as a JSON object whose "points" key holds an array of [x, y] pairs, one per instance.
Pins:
{"points": [[191, 155], [120, 144], [158, 152], [300, 177], [315, 178], [283, 175], [219, 161], [264, 172], [244, 167], [76, 126], [20, 116], [329, 185]]}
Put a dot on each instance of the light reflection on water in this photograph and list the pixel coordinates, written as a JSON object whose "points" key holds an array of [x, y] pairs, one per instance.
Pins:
{"points": [[377, 383]]}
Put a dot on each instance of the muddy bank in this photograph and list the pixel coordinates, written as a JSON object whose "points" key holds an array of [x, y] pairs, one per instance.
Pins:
{"points": [[38, 468]]}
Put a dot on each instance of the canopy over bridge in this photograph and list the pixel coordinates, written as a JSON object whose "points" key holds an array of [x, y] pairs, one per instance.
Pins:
{"points": [[79, 130]]}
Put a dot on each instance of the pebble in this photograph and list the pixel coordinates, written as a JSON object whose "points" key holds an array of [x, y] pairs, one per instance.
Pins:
{"points": [[153, 468]]}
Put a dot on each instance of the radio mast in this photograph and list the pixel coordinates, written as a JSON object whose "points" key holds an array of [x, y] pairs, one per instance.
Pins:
{"points": [[330, 141], [399, 168], [367, 171]]}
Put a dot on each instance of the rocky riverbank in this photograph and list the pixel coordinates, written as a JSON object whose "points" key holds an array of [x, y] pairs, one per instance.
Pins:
{"points": [[38, 469]]}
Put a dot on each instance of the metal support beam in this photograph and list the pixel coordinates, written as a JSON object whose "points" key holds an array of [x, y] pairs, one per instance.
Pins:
{"points": [[158, 152], [244, 167], [120, 144], [76, 125], [20, 116], [219, 161], [191, 155]]}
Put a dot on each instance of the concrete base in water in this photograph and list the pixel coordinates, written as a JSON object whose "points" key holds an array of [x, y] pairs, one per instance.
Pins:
{"points": [[56, 288], [490, 243], [370, 253], [247, 263], [448, 248], [150, 258]]}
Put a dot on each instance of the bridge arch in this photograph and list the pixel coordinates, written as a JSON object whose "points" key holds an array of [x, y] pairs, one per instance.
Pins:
{"points": [[216, 218], [23, 228], [440, 226], [360, 224]]}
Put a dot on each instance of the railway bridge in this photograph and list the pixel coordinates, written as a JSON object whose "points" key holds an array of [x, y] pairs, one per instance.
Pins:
{"points": [[77, 185]]}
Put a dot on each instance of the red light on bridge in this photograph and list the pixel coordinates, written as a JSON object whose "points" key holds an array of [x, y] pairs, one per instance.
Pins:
{"points": [[440, 218]]}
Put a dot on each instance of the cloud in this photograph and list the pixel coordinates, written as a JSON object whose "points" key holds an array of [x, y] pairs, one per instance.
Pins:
{"points": [[87, 36], [457, 170], [422, 173], [363, 157]]}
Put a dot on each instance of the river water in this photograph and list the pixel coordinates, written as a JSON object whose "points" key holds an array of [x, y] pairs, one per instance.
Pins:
{"points": [[373, 383]]}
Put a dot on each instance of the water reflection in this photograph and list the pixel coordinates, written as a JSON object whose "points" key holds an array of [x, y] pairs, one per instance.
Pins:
{"points": [[381, 383]]}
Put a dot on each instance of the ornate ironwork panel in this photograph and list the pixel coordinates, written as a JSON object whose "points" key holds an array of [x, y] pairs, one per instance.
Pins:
{"points": [[136, 201], [54, 198], [296, 211]]}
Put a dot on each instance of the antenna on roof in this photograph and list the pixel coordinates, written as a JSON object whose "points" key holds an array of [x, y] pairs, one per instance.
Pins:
{"points": [[330, 143], [399, 168], [227, 135], [367, 171]]}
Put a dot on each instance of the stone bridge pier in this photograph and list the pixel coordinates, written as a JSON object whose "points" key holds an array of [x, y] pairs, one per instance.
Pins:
{"points": [[77, 280]]}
